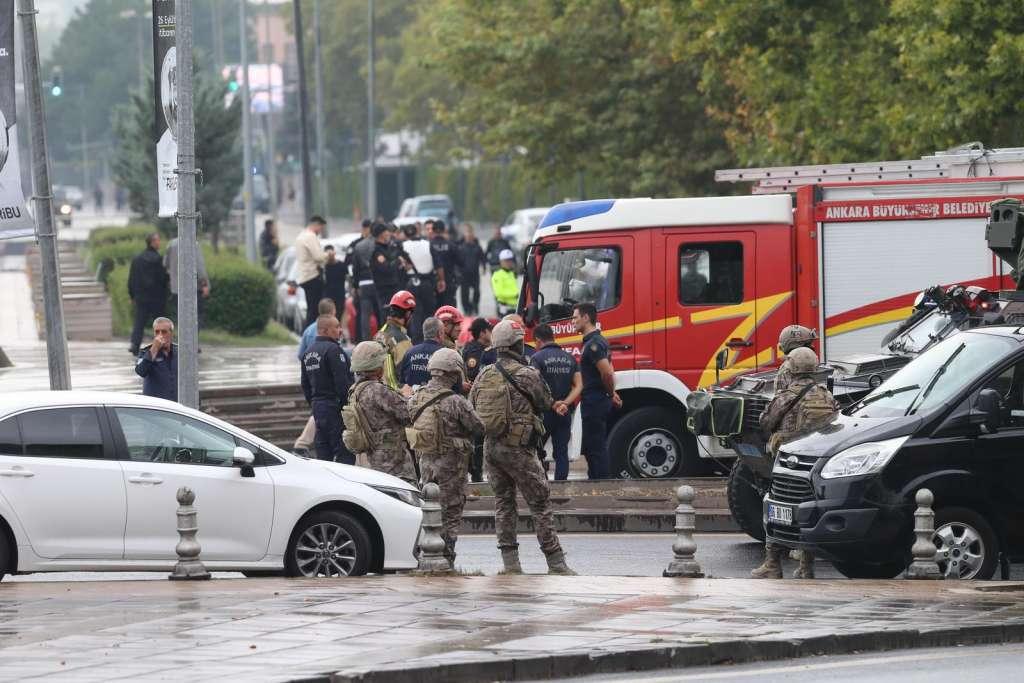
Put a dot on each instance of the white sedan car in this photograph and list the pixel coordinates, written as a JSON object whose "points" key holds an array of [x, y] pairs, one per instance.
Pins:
{"points": [[88, 482]]}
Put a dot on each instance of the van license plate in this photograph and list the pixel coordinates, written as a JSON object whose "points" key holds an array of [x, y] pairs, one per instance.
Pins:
{"points": [[778, 513]]}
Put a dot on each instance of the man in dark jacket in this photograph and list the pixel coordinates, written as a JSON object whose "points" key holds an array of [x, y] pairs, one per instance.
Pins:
{"points": [[158, 363], [446, 261], [334, 282], [471, 261], [147, 288], [326, 378], [495, 246]]}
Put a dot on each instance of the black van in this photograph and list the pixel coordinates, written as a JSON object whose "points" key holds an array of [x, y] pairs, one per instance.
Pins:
{"points": [[952, 421]]}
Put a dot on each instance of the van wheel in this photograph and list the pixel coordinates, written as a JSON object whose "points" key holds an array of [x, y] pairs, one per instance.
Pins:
{"points": [[966, 543], [867, 570], [329, 543], [651, 443], [745, 500]]}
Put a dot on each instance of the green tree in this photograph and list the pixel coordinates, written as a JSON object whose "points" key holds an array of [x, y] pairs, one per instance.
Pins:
{"points": [[562, 87], [218, 154]]}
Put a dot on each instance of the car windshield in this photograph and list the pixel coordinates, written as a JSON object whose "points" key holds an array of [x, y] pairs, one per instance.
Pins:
{"points": [[933, 327], [434, 208], [571, 276], [936, 375]]}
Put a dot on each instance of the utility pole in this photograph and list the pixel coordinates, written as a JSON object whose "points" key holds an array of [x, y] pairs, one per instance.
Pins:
{"points": [[307, 184], [247, 220], [320, 156], [267, 57], [371, 133], [188, 291], [218, 35], [56, 337]]}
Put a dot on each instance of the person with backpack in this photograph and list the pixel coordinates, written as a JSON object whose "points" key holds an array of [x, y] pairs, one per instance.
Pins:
{"points": [[510, 397], [444, 425], [376, 415], [797, 410], [791, 337]]}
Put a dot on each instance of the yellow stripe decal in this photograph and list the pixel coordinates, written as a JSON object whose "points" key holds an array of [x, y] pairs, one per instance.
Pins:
{"points": [[628, 330], [882, 318]]}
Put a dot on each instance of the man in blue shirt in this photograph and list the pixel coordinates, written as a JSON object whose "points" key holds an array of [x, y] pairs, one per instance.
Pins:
{"points": [[324, 307], [599, 397], [559, 370], [158, 363], [412, 371], [326, 378]]}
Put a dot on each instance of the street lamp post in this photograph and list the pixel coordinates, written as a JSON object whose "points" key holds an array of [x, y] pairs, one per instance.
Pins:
{"points": [[320, 146], [247, 220], [371, 133], [307, 189]]}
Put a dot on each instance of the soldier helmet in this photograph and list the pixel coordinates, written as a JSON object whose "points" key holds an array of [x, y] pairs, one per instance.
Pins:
{"points": [[368, 355], [403, 299], [448, 314], [506, 334], [794, 336], [802, 361], [444, 361]]}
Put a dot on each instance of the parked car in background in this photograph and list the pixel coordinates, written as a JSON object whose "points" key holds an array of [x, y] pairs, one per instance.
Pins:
{"points": [[431, 206], [74, 196], [89, 479], [520, 225]]}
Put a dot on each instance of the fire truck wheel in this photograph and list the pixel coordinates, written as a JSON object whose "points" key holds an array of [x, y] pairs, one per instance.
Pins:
{"points": [[745, 499], [651, 443]]}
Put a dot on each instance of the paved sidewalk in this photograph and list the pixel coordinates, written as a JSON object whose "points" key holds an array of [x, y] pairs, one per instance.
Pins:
{"points": [[399, 628]]}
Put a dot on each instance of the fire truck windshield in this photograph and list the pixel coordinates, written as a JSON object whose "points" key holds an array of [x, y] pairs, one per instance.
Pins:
{"points": [[571, 276]]}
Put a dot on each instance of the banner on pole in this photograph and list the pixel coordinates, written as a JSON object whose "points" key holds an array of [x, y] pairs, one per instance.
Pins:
{"points": [[15, 220], [165, 80]]}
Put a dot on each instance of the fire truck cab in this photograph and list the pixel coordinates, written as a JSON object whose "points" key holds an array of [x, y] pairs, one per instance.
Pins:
{"points": [[694, 291]]}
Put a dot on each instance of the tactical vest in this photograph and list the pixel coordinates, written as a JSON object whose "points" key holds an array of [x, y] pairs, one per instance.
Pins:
{"points": [[427, 433], [356, 436]]}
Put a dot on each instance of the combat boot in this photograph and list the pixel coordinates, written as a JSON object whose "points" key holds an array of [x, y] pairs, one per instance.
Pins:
{"points": [[806, 568], [557, 565], [772, 566], [510, 558]]}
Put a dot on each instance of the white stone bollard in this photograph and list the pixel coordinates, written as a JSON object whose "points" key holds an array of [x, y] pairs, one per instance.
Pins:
{"points": [[189, 566], [924, 565], [432, 559], [683, 563]]}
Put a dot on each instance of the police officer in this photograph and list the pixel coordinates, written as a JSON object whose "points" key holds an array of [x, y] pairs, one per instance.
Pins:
{"points": [[798, 409], [413, 370], [388, 263], [394, 334], [446, 263], [562, 374], [453, 424], [511, 464], [599, 397], [422, 280], [325, 382], [451, 318], [472, 354], [383, 411], [791, 337], [358, 259]]}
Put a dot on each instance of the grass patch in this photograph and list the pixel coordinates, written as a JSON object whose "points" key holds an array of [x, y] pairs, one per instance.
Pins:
{"points": [[274, 334]]}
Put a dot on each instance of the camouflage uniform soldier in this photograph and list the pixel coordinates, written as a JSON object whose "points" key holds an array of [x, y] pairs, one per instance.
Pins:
{"points": [[444, 426], [375, 424], [510, 396], [799, 409], [792, 337]]}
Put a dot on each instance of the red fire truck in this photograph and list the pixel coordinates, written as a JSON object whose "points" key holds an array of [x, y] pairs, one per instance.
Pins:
{"points": [[843, 249]]}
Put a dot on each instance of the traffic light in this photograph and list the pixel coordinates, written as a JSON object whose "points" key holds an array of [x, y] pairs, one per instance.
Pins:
{"points": [[56, 82], [233, 84]]}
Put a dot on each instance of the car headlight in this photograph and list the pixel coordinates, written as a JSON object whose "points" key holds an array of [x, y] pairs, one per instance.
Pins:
{"points": [[405, 495], [865, 458], [65, 209]]}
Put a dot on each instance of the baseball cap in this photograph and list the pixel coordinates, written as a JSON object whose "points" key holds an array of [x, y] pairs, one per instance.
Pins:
{"points": [[506, 255]]}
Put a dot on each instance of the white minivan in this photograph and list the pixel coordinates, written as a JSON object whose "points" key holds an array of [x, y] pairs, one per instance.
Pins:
{"points": [[88, 482]]}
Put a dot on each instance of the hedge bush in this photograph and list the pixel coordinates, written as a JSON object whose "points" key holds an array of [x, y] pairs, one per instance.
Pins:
{"points": [[241, 296], [119, 233]]}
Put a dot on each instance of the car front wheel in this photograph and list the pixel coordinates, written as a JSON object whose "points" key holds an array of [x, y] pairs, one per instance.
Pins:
{"points": [[966, 545], [5, 557], [329, 543]]}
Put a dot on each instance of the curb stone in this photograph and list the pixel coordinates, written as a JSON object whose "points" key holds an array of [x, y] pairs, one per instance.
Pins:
{"points": [[532, 667]]}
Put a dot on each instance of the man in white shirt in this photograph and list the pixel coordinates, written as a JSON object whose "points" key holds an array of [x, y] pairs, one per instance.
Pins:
{"points": [[422, 278], [310, 258]]}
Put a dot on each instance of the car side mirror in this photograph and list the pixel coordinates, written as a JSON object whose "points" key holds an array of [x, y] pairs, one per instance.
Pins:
{"points": [[244, 459], [988, 410], [720, 359]]}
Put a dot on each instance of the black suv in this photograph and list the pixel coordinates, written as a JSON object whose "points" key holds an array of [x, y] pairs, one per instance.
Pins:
{"points": [[952, 421]]}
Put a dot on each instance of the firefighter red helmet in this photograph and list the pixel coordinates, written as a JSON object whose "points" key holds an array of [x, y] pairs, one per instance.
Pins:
{"points": [[403, 299], [448, 314]]}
